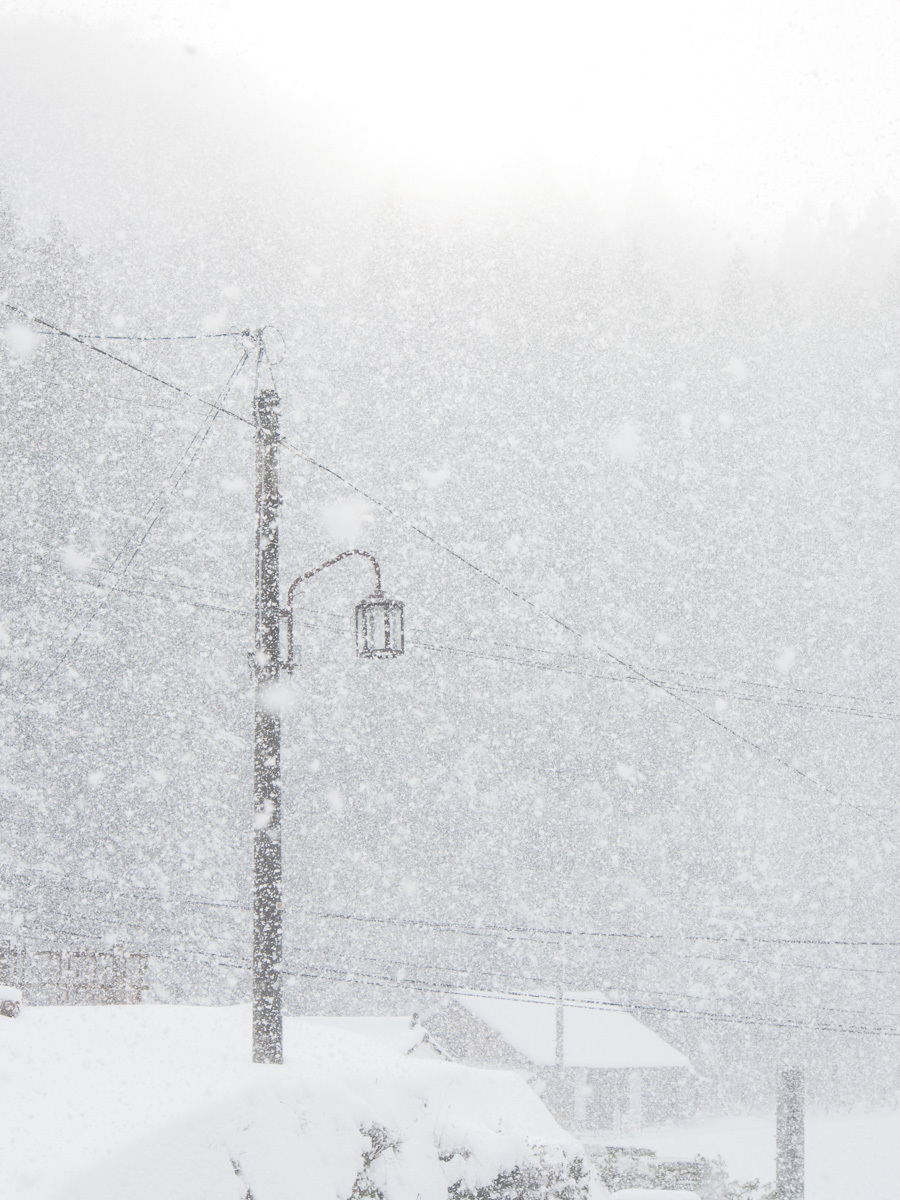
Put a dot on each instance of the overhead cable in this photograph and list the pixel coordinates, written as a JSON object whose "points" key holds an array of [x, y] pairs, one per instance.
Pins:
{"points": [[83, 341], [617, 658], [187, 457], [492, 929], [349, 975], [648, 679]]}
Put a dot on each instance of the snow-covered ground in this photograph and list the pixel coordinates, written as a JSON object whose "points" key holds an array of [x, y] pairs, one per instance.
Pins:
{"points": [[849, 1156], [129, 1103]]}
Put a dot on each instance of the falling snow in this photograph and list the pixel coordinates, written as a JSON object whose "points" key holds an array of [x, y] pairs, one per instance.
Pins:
{"points": [[622, 443]]}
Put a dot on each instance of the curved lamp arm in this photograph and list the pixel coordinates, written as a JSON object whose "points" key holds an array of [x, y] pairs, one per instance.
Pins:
{"points": [[288, 611]]}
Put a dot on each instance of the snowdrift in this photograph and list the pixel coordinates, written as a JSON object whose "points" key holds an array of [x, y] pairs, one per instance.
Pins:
{"points": [[148, 1102]]}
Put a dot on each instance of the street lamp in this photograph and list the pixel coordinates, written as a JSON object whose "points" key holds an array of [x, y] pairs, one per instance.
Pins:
{"points": [[379, 627], [379, 624], [379, 621]]}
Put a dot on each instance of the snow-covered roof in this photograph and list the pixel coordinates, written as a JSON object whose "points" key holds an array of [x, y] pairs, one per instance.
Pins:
{"points": [[402, 1034], [593, 1036]]}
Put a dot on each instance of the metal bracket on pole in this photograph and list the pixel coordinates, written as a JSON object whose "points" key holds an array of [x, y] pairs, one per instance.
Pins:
{"points": [[287, 613], [263, 672], [289, 659]]}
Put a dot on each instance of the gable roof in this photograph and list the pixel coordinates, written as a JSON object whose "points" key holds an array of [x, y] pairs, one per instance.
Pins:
{"points": [[593, 1036]]}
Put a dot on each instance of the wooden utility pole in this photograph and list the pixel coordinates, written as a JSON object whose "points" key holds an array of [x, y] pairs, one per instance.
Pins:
{"points": [[789, 1135], [267, 935]]}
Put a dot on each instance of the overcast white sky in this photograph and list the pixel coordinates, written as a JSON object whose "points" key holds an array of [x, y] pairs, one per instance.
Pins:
{"points": [[746, 110]]}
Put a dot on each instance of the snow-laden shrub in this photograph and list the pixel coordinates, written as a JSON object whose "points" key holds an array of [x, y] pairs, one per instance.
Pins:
{"points": [[542, 1179], [621, 1168], [547, 1176]]}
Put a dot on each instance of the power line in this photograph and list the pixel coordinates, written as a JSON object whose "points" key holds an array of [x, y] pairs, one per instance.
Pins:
{"points": [[707, 677], [349, 975], [188, 456], [550, 666], [80, 882], [504, 930], [221, 608], [465, 652], [82, 341], [182, 601], [531, 931], [149, 337], [148, 574], [606, 987], [337, 971], [731, 960], [678, 687], [789, 687], [785, 703], [545, 613], [550, 616], [516, 661], [333, 970]]}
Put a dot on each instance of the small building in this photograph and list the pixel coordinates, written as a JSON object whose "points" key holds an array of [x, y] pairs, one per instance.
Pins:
{"points": [[595, 1067]]}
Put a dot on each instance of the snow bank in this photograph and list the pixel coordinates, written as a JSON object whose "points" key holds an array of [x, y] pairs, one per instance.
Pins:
{"points": [[160, 1101], [651, 1194], [849, 1155], [399, 1033]]}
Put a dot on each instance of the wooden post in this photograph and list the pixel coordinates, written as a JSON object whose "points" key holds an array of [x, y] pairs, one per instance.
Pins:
{"points": [[267, 945], [789, 1135]]}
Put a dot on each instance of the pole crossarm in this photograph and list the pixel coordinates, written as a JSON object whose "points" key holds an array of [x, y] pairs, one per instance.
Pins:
{"points": [[288, 611]]}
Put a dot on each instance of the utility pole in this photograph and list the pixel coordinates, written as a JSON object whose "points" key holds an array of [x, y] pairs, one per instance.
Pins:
{"points": [[267, 933], [789, 1135]]}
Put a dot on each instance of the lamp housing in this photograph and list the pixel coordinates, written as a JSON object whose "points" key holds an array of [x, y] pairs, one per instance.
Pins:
{"points": [[379, 627]]}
